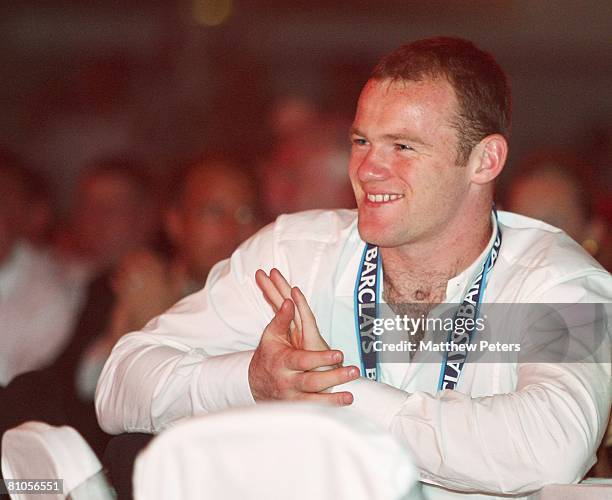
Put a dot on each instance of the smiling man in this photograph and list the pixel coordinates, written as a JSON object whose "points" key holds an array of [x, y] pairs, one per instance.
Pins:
{"points": [[428, 141]]}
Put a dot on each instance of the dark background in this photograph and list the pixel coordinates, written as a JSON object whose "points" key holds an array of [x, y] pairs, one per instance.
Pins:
{"points": [[163, 79]]}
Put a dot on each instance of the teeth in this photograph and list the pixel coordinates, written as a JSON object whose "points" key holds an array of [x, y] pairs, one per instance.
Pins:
{"points": [[382, 198]]}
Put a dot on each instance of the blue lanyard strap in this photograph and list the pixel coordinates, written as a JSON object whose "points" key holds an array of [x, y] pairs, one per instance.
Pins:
{"points": [[469, 309], [367, 288], [367, 294]]}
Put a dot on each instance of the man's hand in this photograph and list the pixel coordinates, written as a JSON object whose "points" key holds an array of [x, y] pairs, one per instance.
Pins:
{"points": [[304, 333], [280, 371]]}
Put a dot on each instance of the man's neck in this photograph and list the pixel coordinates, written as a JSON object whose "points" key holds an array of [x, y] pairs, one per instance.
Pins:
{"points": [[421, 270]]}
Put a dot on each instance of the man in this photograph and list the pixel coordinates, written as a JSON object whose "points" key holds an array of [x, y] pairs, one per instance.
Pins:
{"points": [[113, 214], [557, 187], [211, 211], [428, 140], [307, 170], [52, 316], [37, 307]]}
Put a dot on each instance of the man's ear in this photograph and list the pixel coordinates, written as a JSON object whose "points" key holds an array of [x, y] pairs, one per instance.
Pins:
{"points": [[488, 158]]}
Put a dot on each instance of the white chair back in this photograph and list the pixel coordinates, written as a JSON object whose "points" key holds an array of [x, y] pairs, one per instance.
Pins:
{"points": [[276, 451], [35, 450]]}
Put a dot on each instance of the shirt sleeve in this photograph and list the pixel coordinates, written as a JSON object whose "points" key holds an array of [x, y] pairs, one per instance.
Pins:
{"points": [[194, 358], [546, 431]]}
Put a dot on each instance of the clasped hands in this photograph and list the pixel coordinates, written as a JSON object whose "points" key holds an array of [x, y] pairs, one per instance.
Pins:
{"points": [[292, 360]]}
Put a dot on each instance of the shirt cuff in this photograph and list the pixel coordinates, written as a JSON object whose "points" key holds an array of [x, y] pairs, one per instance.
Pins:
{"points": [[377, 401], [224, 381]]}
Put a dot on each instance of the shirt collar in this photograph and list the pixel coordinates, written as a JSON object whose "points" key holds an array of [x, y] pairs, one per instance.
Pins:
{"points": [[454, 288], [457, 285]]}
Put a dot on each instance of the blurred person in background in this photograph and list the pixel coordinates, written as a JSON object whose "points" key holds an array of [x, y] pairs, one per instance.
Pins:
{"points": [[306, 168], [37, 307], [598, 145], [291, 115], [555, 186], [113, 213], [41, 213], [211, 210]]}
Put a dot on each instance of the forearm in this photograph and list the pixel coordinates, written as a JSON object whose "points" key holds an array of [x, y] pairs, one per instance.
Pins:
{"points": [[545, 432], [145, 388]]}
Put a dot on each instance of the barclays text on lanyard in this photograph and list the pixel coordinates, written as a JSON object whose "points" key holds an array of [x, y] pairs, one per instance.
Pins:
{"points": [[367, 291]]}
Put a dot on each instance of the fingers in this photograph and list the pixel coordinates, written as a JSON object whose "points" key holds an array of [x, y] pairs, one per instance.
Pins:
{"points": [[284, 288], [270, 292], [280, 324], [335, 399], [301, 361], [274, 296], [319, 381], [280, 282], [274, 287], [279, 370], [303, 308], [311, 337]]}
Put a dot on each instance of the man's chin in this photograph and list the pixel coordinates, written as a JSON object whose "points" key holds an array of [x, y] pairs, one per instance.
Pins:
{"points": [[373, 234]]}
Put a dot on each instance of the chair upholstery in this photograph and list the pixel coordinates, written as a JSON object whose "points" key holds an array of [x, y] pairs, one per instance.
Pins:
{"points": [[35, 450], [276, 451]]}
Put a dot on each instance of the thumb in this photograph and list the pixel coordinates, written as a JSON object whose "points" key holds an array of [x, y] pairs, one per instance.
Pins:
{"points": [[280, 324]]}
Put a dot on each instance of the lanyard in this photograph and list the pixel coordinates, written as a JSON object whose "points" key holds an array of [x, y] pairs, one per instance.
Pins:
{"points": [[366, 299]]}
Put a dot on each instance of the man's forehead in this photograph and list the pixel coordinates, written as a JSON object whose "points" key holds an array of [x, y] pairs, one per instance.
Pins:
{"points": [[429, 102], [425, 88]]}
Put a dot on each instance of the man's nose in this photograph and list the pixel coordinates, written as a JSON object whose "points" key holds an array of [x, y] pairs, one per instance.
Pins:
{"points": [[373, 167]]}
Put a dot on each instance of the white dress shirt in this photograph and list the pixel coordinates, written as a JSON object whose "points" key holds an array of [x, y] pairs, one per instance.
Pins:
{"points": [[508, 428], [38, 307]]}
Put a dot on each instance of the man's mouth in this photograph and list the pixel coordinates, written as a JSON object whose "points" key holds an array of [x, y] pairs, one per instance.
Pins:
{"points": [[383, 198]]}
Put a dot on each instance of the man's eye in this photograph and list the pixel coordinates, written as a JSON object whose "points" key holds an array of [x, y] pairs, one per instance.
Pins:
{"points": [[359, 142], [403, 147]]}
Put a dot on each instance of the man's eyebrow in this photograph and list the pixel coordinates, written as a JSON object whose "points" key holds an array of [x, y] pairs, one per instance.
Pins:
{"points": [[407, 138], [393, 137]]}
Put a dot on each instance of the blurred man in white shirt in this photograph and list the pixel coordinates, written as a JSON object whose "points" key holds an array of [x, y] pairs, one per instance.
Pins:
{"points": [[37, 306]]}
